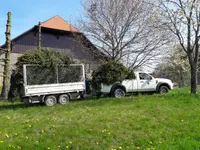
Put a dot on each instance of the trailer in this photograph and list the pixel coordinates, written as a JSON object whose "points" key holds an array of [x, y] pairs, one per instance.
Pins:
{"points": [[51, 85]]}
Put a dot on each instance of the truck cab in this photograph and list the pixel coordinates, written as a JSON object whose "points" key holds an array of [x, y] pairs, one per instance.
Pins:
{"points": [[143, 82]]}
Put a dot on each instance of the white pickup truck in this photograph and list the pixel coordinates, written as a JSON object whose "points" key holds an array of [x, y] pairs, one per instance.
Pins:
{"points": [[143, 82]]}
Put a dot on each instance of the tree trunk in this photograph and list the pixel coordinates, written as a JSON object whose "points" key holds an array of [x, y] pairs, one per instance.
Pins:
{"points": [[193, 80], [181, 79], [193, 71], [6, 77], [39, 36]]}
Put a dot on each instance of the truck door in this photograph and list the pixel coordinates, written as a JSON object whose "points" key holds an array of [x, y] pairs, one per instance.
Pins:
{"points": [[146, 82], [131, 85]]}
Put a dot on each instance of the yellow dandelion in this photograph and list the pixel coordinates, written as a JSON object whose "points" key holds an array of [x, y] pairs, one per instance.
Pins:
{"points": [[6, 135], [42, 131], [97, 143], [26, 137], [151, 142], [67, 147], [120, 147], [1, 141], [15, 134], [29, 126], [58, 146], [70, 142], [182, 120], [48, 148]]}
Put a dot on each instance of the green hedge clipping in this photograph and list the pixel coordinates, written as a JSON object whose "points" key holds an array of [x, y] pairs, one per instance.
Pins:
{"points": [[44, 57], [109, 73]]}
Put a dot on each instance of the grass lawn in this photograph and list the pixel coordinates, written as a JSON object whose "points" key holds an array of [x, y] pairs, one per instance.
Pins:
{"points": [[140, 122]]}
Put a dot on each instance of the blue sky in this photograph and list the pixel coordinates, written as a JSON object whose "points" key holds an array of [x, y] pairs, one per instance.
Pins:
{"points": [[27, 13]]}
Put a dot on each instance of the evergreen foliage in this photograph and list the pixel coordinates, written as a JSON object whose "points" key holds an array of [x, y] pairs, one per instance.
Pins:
{"points": [[109, 73], [43, 57]]}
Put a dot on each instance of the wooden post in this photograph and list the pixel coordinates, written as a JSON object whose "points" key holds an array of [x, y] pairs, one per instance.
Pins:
{"points": [[6, 77], [39, 36]]}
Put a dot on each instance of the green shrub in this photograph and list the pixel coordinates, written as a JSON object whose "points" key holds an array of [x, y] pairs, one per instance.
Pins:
{"points": [[110, 73]]}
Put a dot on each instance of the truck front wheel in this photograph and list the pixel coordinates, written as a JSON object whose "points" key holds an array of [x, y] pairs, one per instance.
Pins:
{"points": [[63, 99], [118, 92], [163, 89], [50, 100]]}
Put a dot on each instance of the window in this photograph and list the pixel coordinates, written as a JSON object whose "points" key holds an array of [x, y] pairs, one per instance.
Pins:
{"points": [[144, 76]]}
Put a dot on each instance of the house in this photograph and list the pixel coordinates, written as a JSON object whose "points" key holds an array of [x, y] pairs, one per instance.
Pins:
{"points": [[61, 36]]}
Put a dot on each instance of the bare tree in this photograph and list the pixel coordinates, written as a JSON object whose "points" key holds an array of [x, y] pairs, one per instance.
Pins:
{"points": [[182, 18], [124, 30]]}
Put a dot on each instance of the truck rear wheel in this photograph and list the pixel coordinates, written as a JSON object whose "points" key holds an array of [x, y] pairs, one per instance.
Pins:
{"points": [[50, 100], [163, 89], [118, 92], [63, 99]]}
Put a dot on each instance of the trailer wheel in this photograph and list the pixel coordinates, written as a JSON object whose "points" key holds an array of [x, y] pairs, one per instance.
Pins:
{"points": [[50, 100], [63, 99]]}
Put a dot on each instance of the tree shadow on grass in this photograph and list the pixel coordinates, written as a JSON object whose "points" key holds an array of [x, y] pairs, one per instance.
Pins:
{"points": [[15, 106]]}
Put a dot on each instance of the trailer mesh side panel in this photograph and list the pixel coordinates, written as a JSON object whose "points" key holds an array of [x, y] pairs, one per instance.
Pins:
{"points": [[37, 75], [68, 74]]}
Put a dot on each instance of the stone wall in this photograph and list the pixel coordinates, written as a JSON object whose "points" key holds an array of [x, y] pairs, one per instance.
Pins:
{"points": [[13, 58]]}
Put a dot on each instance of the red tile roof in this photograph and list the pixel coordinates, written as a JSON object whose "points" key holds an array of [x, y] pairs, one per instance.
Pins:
{"points": [[58, 23]]}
